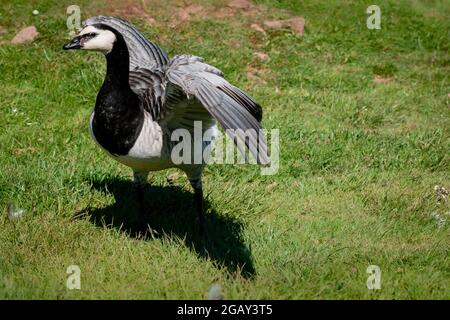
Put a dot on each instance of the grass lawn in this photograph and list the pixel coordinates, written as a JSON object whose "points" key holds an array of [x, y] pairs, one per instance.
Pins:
{"points": [[364, 120]]}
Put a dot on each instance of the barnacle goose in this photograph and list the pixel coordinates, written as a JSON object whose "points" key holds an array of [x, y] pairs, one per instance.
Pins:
{"points": [[146, 96]]}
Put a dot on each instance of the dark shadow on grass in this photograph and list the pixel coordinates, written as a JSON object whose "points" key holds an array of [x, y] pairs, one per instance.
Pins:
{"points": [[170, 211]]}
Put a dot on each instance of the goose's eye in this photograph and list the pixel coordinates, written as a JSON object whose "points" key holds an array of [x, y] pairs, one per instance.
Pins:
{"points": [[90, 35]]}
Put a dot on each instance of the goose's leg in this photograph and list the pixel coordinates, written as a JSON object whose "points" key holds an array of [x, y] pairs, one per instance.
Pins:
{"points": [[140, 179], [198, 198]]}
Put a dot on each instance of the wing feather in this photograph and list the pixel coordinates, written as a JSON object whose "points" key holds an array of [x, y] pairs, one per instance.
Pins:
{"points": [[229, 105]]}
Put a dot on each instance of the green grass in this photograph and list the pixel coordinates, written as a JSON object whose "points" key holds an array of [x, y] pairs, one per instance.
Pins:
{"points": [[358, 163]]}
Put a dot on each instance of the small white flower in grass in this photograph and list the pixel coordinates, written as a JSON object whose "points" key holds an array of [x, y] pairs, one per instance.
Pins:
{"points": [[215, 292], [14, 110], [13, 213], [35, 12]]}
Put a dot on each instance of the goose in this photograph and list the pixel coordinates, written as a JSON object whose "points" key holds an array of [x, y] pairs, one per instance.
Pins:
{"points": [[146, 97]]}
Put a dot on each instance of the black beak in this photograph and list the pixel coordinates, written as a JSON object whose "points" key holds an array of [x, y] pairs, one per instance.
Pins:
{"points": [[73, 44]]}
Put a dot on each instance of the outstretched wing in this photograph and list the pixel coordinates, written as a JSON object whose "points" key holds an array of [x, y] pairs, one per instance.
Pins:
{"points": [[236, 111], [143, 53], [167, 103]]}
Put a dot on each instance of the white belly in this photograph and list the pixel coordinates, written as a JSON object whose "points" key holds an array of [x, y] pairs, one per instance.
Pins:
{"points": [[151, 151]]}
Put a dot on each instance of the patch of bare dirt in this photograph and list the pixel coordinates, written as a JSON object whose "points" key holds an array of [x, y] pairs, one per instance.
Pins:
{"points": [[296, 24], [186, 13], [261, 56], [130, 9], [177, 12], [240, 4], [381, 79], [233, 8], [246, 7], [25, 35], [224, 13], [258, 28]]}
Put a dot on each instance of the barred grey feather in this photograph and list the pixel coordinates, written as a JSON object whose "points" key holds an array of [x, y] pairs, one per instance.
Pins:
{"points": [[227, 104], [143, 53]]}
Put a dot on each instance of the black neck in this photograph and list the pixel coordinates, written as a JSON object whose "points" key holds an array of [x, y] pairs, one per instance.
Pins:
{"points": [[118, 114], [117, 64]]}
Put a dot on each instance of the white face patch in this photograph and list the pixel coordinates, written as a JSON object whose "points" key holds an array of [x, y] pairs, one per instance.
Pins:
{"points": [[97, 39]]}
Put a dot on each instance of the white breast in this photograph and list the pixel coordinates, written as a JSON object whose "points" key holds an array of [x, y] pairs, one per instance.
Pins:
{"points": [[148, 153], [152, 149]]}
